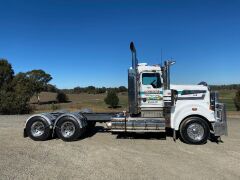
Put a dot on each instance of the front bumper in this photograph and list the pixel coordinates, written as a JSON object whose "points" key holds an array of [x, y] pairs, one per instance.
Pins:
{"points": [[220, 126]]}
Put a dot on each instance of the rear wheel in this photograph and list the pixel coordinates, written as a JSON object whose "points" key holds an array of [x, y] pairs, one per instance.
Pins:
{"points": [[38, 129], [68, 129], [194, 130]]}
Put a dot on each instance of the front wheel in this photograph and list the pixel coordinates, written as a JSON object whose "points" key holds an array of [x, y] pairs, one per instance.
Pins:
{"points": [[194, 130]]}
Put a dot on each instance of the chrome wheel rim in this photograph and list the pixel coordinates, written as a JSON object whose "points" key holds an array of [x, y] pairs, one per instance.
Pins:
{"points": [[195, 131], [67, 129], [37, 128]]}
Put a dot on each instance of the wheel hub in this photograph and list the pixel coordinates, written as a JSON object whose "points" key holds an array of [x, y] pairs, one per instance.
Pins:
{"points": [[37, 128], [67, 129], [195, 131]]}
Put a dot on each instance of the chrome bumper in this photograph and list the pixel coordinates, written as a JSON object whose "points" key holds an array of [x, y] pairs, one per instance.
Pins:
{"points": [[220, 126]]}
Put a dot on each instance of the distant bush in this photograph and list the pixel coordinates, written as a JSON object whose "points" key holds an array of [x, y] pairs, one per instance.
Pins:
{"points": [[77, 90], [122, 89], [112, 99], [54, 107], [237, 100], [100, 90], [61, 97], [13, 103], [51, 88]]}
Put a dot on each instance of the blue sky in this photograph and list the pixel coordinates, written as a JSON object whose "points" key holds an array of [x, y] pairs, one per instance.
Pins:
{"points": [[83, 43]]}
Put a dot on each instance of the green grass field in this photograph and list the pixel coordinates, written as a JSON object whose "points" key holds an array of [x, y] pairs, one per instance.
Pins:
{"points": [[97, 104]]}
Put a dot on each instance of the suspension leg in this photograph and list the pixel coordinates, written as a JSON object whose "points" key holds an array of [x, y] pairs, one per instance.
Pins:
{"points": [[219, 139], [174, 135]]}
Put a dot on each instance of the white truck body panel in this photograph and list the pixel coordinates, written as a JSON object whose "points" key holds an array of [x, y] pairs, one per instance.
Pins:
{"points": [[191, 104]]}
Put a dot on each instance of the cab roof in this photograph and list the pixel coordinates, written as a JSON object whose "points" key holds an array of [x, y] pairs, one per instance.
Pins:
{"points": [[144, 67]]}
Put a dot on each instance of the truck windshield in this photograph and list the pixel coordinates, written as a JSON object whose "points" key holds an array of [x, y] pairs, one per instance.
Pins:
{"points": [[151, 79]]}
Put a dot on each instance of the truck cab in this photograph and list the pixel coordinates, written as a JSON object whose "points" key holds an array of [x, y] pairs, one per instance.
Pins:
{"points": [[150, 90], [151, 86], [154, 105]]}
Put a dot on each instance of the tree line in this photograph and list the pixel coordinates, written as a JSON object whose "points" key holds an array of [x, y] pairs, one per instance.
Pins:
{"points": [[94, 90], [225, 87]]}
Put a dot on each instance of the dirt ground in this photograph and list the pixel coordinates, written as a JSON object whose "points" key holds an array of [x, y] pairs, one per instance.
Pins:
{"points": [[106, 156]]}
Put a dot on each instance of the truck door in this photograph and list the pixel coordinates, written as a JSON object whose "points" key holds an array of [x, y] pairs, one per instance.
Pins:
{"points": [[151, 89]]}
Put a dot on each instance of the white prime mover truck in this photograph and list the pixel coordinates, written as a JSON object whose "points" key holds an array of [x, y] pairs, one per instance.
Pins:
{"points": [[193, 112]]}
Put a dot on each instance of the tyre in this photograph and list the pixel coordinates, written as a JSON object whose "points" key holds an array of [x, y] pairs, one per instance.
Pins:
{"points": [[194, 130], [68, 129], [38, 129]]}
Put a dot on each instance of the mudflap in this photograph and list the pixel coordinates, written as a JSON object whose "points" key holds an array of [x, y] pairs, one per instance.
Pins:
{"points": [[220, 126], [25, 133]]}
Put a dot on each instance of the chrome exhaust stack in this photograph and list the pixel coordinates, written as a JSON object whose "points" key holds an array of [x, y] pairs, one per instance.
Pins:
{"points": [[133, 83], [134, 56]]}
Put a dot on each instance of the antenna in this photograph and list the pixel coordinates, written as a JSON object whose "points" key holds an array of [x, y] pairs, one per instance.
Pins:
{"points": [[161, 57]]}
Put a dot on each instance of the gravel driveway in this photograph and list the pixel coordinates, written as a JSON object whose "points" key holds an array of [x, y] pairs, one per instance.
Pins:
{"points": [[106, 156]]}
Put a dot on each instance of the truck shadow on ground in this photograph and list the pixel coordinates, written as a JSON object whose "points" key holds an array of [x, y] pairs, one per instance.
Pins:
{"points": [[149, 136], [95, 130], [145, 136]]}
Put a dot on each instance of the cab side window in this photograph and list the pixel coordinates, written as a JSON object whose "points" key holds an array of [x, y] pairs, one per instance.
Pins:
{"points": [[152, 79]]}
